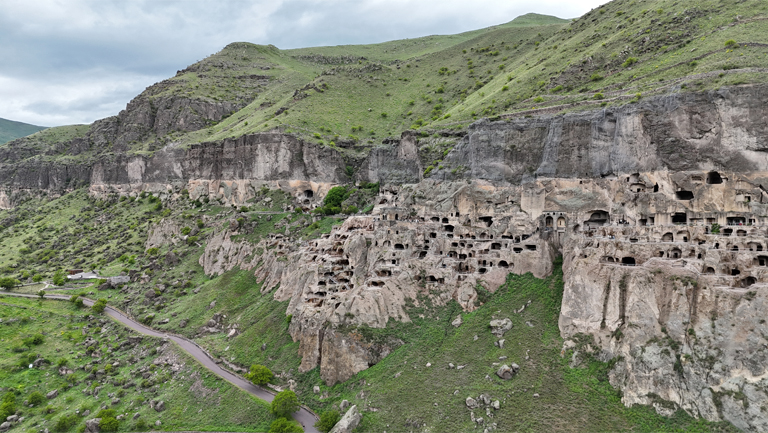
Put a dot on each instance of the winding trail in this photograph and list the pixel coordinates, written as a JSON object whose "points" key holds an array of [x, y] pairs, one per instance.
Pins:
{"points": [[303, 416]]}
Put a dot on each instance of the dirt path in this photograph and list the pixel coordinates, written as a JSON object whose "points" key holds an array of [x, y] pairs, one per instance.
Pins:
{"points": [[306, 418]]}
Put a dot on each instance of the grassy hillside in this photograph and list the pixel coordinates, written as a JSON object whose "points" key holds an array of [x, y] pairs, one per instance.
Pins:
{"points": [[11, 130], [353, 96], [194, 398]]}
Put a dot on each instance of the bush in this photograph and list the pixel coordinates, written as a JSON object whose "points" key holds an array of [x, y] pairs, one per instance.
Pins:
{"points": [[65, 422], [34, 340], [200, 224], [282, 425], [8, 407], [37, 278], [99, 306], [59, 278], [285, 403], [629, 62], [108, 424], [327, 420], [36, 398], [730, 43], [153, 251], [140, 425], [598, 96], [596, 77], [9, 283], [75, 299], [259, 374]]}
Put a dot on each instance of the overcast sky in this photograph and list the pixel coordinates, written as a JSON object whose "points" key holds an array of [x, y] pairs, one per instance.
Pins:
{"points": [[76, 61]]}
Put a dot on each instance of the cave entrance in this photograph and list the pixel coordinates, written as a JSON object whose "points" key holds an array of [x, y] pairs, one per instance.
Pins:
{"points": [[487, 220], [714, 178], [684, 195], [309, 193], [628, 261]]}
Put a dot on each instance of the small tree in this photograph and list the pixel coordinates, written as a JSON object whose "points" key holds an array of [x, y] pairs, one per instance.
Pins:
{"points": [[58, 278], [327, 420], [285, 403], [715, 229], [8, 283], [259, 374], [99, 306]]}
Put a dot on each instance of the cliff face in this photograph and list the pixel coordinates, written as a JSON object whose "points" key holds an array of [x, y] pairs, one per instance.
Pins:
{"points": [[724, 130]]}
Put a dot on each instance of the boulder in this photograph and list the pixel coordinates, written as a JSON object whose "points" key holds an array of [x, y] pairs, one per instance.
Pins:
{"points": [[471, 403], [92, 425], [52, 394], [457, 321], [507, 372], [344, 404], [5, 426], [12, 418], [348, 422], [159, 406], [500, 326]]}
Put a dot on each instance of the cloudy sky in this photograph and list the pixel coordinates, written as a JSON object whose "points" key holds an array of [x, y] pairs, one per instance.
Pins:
{"points": [[75, 61]]}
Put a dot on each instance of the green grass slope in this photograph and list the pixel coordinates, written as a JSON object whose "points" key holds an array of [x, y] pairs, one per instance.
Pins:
{"points": [[353, 96], [11, 130], [194, 398]]}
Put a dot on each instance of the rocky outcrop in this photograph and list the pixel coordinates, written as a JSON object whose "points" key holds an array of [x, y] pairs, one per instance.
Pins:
{"points": [[348, 422], [678, 132]]}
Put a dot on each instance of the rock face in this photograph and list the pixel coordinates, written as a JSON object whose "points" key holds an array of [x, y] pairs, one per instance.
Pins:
{"points": [[348, 422]]}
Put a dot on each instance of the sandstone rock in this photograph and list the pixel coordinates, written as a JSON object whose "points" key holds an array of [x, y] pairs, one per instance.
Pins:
{"points": [[500, 326], [457, 321], [348, 422], [5, 426], [471, 403], [92, 425], [12, 418], [496, 405], [507, 372], [316, 389], [52, 394], [344, 404], [158, 423]]}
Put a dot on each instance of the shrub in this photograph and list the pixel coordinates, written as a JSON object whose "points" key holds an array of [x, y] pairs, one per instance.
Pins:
{"points": [[596, 77], [191, 240], [9, 283], [598, 96], [328, 419], [75, 299], [34, 340], [153, 251], [285, 403], [8, 407], [99, 306], [282, 425], [108, 424], [66, 422], [140, 425], [629, 62], [259, 374], [37, 278], [730, 43], [200, 223], [36, 398]]}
